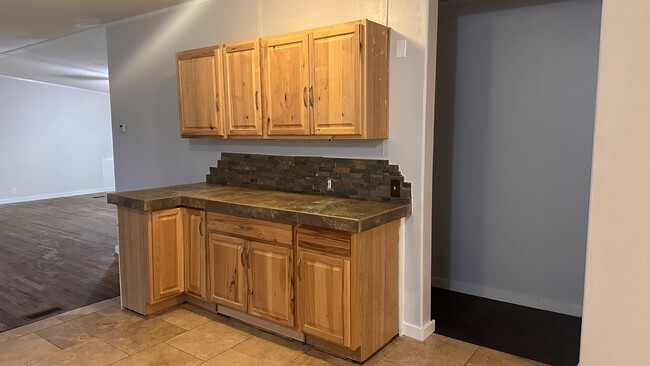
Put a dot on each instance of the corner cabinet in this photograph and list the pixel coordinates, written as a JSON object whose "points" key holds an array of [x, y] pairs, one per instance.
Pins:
{"points": [[166, 257], [329, 82], [160, 257], [200, 92]]}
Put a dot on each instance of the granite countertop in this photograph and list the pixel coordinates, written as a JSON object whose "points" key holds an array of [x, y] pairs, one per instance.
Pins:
{"points": [[346, 214]]}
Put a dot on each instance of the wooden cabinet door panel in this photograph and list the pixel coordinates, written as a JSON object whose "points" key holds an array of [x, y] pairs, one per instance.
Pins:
{"points": [[335, 62], [227, 271], [243, 89], [324, 296], [167, 274], [195, 253], [200, 86], [285, 76], [271, 282]]}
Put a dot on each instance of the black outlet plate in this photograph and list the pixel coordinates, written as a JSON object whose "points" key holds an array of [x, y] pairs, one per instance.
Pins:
{"points": [[395, 185]]}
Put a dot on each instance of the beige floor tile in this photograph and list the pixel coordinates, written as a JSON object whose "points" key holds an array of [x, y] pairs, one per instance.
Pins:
{"points": [[378, 357], [232, 358], [436, 350], [118, 315], [160, 355], [92, 352], [316, 357], [75, 331], [89, 309], [208, 340], [186, 317], [133, 337], [272, 349], [24, 349], [490, 357], [29, 328], [117, 299]]}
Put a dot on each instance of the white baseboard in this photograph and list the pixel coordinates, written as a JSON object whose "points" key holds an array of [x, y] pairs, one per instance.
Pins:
{"points": [[419, 333], [55, 195], [508, 296]]}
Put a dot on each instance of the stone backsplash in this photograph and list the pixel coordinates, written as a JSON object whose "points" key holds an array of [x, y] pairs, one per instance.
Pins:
{"points": [[350, 178]]}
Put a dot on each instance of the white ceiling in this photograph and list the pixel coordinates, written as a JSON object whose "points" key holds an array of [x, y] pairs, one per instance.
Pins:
{"points": [[63, 42]]}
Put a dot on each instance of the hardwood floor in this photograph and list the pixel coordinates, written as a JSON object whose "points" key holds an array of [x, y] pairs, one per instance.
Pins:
{"points": [[56, 255], [535, 334]]}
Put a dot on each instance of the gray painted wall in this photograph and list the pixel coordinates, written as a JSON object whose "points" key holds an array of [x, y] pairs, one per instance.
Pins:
{"points": [[55, 141], [514, 127], [143, 96]]}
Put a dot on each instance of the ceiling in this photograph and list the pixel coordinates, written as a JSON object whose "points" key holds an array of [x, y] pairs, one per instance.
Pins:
{"points": [[63, 42]]}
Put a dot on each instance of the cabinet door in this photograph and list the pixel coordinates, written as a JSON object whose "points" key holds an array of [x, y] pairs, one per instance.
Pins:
{"points": [[195, 253], [200, 89], [167, 276], [227, 271], [243, 89], [335, 62], [271, 282], [324, 296], [285, 78]]}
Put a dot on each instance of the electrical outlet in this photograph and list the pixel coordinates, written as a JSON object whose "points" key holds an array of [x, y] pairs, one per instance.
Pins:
{"points": [[122, 128], [14, 191], [329, 184], [394, 187]]}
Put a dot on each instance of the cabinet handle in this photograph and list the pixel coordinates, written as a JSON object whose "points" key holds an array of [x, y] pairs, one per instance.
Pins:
{"points": [[241, 256], [304, 96], [299, 272], [311, 95], [201, 227], [257, 94], [217, 103]]}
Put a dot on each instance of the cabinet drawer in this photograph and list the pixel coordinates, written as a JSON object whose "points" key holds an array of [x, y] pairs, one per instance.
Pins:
{"points": [[250, 228], [331, 241]]}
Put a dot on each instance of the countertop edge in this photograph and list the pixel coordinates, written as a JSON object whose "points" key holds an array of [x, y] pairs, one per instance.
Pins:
{"points": [[262, 213]]}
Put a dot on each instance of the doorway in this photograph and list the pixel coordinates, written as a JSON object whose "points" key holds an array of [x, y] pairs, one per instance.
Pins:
{"points": [[514, 117]]}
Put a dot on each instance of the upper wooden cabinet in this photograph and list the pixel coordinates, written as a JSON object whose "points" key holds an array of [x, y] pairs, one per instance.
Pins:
{"points": [[336, 75], [329, 82], [200, 92], [286, 80], [243, 88]]}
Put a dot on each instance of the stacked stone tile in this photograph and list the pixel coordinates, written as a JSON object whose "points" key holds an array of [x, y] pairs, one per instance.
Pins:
{"points": [[351, 178]]}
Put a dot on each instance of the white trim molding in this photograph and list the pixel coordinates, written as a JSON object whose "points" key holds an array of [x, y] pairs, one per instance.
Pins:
{"points": [[54, 195], [419, 333], [508, 296]]}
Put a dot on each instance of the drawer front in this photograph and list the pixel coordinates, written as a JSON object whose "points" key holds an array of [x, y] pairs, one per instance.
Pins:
{"points": [[330, 241], [259, 230]]}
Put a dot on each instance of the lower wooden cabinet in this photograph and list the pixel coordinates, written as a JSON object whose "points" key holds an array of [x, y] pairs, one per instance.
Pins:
{"points": [[270, 281], [247, 274], [347, 288], [324, 296], [227, 270], [338, 288], [194, 243], [167, 264]]}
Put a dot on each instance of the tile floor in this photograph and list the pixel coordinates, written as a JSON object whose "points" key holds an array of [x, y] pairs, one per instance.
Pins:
{"points": [[102, 334]]}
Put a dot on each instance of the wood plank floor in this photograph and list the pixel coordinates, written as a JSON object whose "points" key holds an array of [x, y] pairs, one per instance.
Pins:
{"points": [[56, 253]]}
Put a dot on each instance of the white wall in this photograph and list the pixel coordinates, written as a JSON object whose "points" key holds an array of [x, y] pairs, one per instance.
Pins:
{"points": [[143, 96], [616, 315], [53, 140], [516, 127]]}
